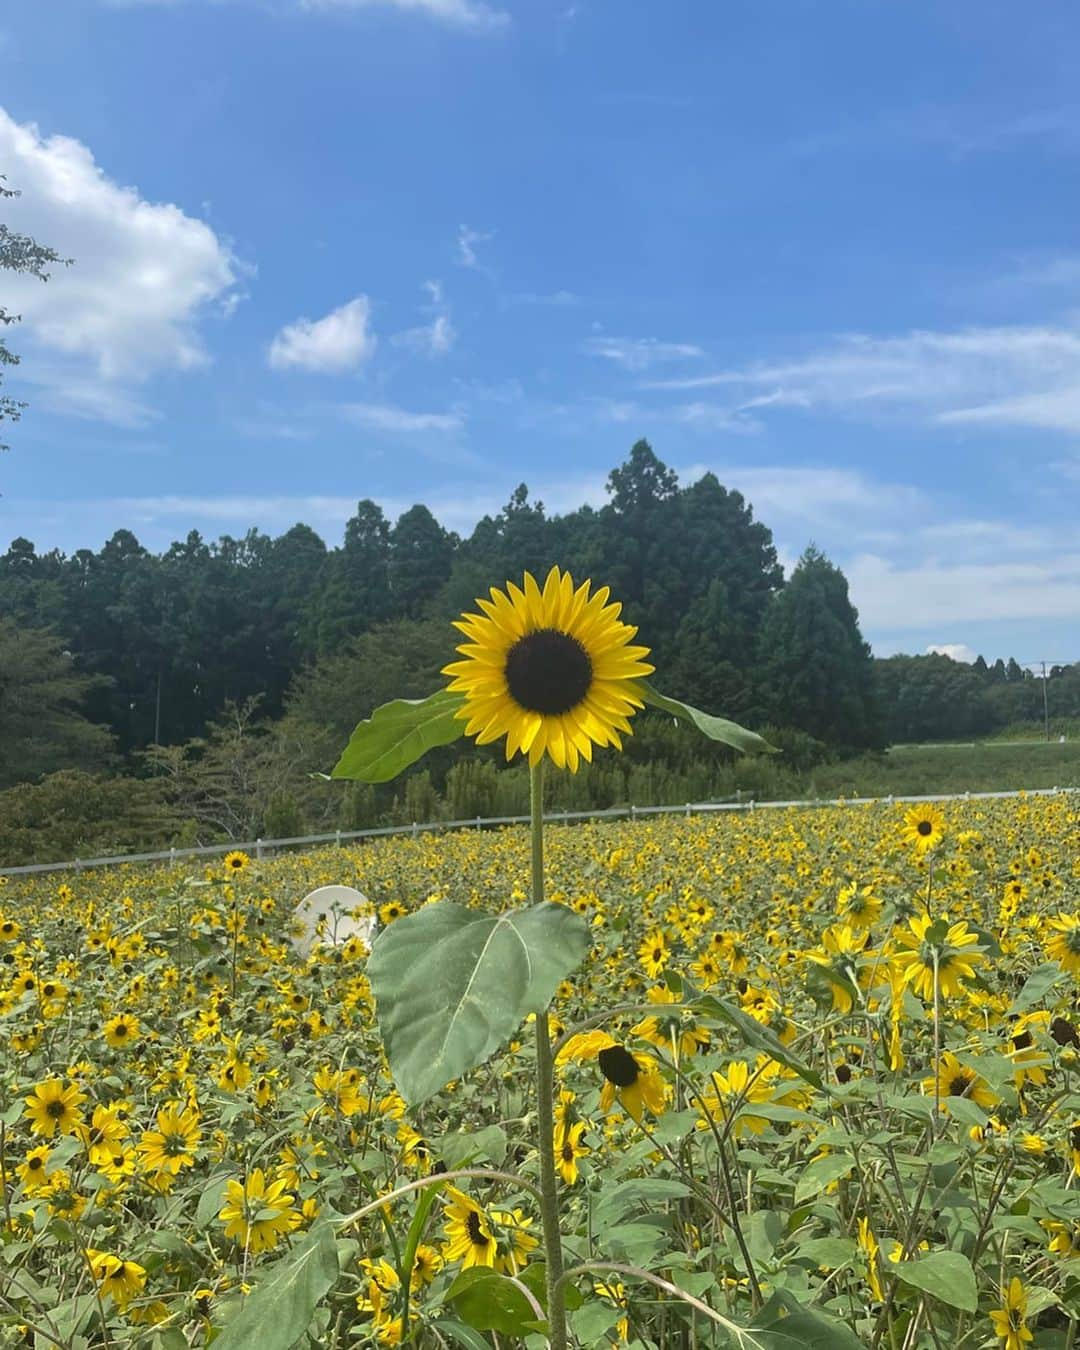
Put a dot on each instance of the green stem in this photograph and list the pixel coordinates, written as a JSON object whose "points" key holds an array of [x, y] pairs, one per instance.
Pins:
{"points": [[545, 1107], [412, 1242]]}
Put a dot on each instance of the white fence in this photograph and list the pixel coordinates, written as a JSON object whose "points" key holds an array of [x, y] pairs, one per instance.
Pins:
{"points": [[261, 847]]}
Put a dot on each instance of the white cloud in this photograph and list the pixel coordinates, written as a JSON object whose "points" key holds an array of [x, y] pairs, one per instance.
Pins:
{"points": [[894, 597], [1023, 376], [459, 13], [466, 242], [957, 651], [560, 299], [144, 273], [338, 342], [639, 353], [431, 339], [387, 417]]}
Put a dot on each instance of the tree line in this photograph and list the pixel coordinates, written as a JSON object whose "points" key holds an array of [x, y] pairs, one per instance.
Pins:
{"points": [[203, 685]]}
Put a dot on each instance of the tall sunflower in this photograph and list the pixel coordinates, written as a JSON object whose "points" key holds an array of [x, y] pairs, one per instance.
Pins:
{"points": [[552, 670]]}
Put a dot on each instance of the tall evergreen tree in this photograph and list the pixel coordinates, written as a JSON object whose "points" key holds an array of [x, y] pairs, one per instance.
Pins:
{"points": [[816, 670], [421, 553]]}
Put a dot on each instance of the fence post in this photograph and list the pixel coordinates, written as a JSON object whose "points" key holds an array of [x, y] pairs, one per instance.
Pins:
{"points": [[258, 849], [172, 857], [337, 837], [688, 812], [633, 810], [415, 830]]}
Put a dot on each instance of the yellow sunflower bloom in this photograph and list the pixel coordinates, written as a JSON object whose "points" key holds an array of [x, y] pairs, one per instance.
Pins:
{"points": [[953, 950], [954, 1079], [52, 1107], [924, 827], [1010, 1320], [632, 1078], [1064, 945], [552, 670], [469, 1238], [257, 1213], [120, 1280]]}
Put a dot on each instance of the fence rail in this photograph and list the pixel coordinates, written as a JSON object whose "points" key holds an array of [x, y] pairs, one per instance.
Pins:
{"points": [[262, 847]]}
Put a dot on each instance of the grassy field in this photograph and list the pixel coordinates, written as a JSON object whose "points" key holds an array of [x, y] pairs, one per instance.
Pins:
{"points": [[989, 766]]}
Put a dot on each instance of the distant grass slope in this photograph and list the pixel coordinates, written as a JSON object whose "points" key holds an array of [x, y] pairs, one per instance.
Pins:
{"points": [[991, 766]]}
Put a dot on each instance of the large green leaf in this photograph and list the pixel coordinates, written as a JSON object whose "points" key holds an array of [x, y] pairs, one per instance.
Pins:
{"points": [[451, 985], [397, 734], [277, 1313], [716, 728], [491, 1302], [947, 1276], [785, 1324], [1036, 987]]}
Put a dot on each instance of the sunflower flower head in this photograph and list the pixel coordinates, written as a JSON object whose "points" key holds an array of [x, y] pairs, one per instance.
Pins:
{"points": [[1010, 1320], [552, 670]]}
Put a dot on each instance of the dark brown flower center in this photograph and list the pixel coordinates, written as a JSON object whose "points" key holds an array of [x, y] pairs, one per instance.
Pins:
{"points": [[477, 1236], [619, 1066], [57, 1109], [925, 827], [959, 1085], [548, 671]]}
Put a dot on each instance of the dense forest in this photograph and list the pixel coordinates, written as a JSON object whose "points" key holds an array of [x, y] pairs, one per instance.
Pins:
{"points": [[190, 695]]}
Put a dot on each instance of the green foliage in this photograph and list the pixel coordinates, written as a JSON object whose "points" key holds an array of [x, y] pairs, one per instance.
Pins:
{"points": [[816, 671], [73, 814], [21, 254], [43, 694], [946, 1276], [277, 1312], [491, 1302], [716, 728], [451, 985], [397, 734]]}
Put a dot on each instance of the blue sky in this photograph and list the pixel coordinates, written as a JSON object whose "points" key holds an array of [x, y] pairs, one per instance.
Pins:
{"points": [[428, 249]]}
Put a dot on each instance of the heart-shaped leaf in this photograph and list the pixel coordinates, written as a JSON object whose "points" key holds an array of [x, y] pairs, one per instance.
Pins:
{"points": [[451, 985]]}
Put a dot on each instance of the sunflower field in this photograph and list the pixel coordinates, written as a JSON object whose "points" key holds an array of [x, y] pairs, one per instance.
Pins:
{"points": [[813, 1087]]}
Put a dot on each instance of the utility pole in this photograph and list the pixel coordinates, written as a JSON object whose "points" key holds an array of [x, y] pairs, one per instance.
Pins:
{"points": [[1046, 704]]}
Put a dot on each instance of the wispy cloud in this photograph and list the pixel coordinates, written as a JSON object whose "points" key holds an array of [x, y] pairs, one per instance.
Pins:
{"points": [[558, 299], [340, 341], [388, 417], [471, 14], [639, 353], [1023, 376], [438, 336], [467, 239]]}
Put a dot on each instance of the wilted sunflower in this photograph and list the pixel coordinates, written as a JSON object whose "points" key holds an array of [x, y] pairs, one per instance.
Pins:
{"points": [[553, 671]]}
